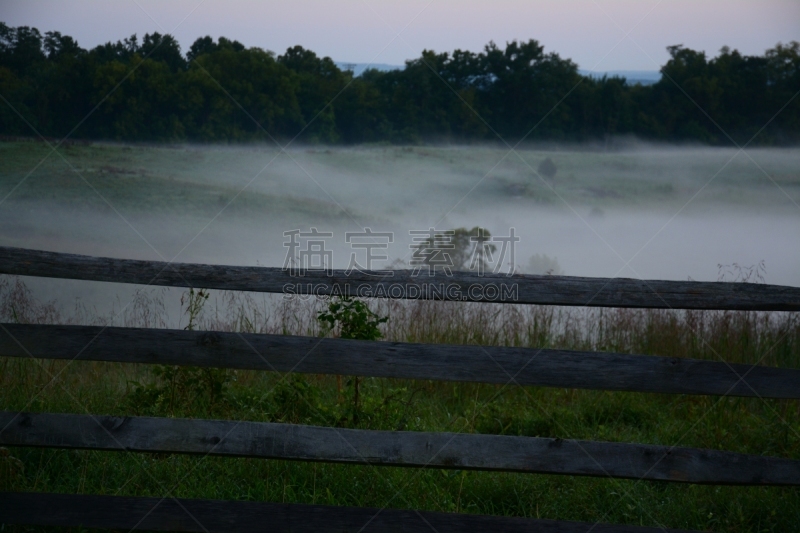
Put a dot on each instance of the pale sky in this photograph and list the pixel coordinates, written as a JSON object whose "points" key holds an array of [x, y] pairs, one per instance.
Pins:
{"points": [[596, 34]]}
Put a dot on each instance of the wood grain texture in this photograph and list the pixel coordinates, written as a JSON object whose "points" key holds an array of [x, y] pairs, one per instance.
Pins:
{"points": [[311, 355], [462, 286], [214, 516], [395, 448]]}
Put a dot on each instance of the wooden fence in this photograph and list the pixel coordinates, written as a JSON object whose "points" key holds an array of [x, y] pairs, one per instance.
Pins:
{"points": [[499, 365]]}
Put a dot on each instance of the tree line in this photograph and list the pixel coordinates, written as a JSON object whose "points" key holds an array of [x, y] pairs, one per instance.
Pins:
{"points": [[148, 90]]}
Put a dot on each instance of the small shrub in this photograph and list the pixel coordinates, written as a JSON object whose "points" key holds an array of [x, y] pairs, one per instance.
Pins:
{"points": [[350, 318], [547, 169]]}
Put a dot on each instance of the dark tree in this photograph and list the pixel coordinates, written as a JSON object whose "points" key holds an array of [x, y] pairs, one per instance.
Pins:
{"points": [[203, 45], [147, 90], [163, 48]]}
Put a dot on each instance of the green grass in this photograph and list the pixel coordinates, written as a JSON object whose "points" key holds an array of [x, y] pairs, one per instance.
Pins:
{"points": [[768, 427], [198, 181], [146, 180]]}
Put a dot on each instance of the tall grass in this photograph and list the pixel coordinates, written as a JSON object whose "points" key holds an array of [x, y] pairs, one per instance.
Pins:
{"points": [[748, 425]]}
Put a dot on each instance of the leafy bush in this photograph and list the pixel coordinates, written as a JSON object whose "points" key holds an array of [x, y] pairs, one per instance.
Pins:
{"points": [[352, 319], [349, 318]]}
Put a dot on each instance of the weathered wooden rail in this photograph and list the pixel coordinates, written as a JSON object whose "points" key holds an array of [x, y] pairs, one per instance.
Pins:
{"points": [[441, 362], [523, 289], [214, 516], [396, 448], [498, 365]]}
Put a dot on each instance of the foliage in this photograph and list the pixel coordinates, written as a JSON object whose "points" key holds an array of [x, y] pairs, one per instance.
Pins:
{"points": [[459, 249], [176, 387], [224, 91], [351, 318], [745, 274]]}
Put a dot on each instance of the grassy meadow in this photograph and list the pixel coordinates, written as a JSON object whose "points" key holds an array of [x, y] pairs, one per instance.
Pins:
{"points": [[768, 427], [232, 203], [676, 212], [194, 178]]}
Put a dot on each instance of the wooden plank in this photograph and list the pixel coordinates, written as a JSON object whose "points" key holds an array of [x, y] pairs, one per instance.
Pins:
{"points": [[214, 516], [395, 448], [461, 286], [488, 364]]}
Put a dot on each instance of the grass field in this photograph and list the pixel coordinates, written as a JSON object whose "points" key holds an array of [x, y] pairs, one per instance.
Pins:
{"points": [[157, 177], [769, 427], [233, 203], [680, 211]]}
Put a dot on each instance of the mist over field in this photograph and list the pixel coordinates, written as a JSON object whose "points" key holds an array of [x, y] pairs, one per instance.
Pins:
{"points": [[640, 210], [402, 150]]}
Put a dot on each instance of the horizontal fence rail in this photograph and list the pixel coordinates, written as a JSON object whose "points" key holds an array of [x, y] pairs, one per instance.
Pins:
{"points": [[396, 448], [481, 364], [461, 286], [215, 516], [494, 365]]}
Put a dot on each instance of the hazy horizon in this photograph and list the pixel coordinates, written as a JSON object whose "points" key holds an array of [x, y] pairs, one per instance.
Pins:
{"points": [[598, 36]]}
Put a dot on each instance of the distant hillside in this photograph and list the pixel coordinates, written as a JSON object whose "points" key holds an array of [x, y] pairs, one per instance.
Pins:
{"points": [[634, 77], [359, 68]]}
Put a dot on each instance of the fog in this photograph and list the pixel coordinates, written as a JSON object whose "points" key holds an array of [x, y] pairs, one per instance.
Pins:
{"points": [[641, 211]]}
